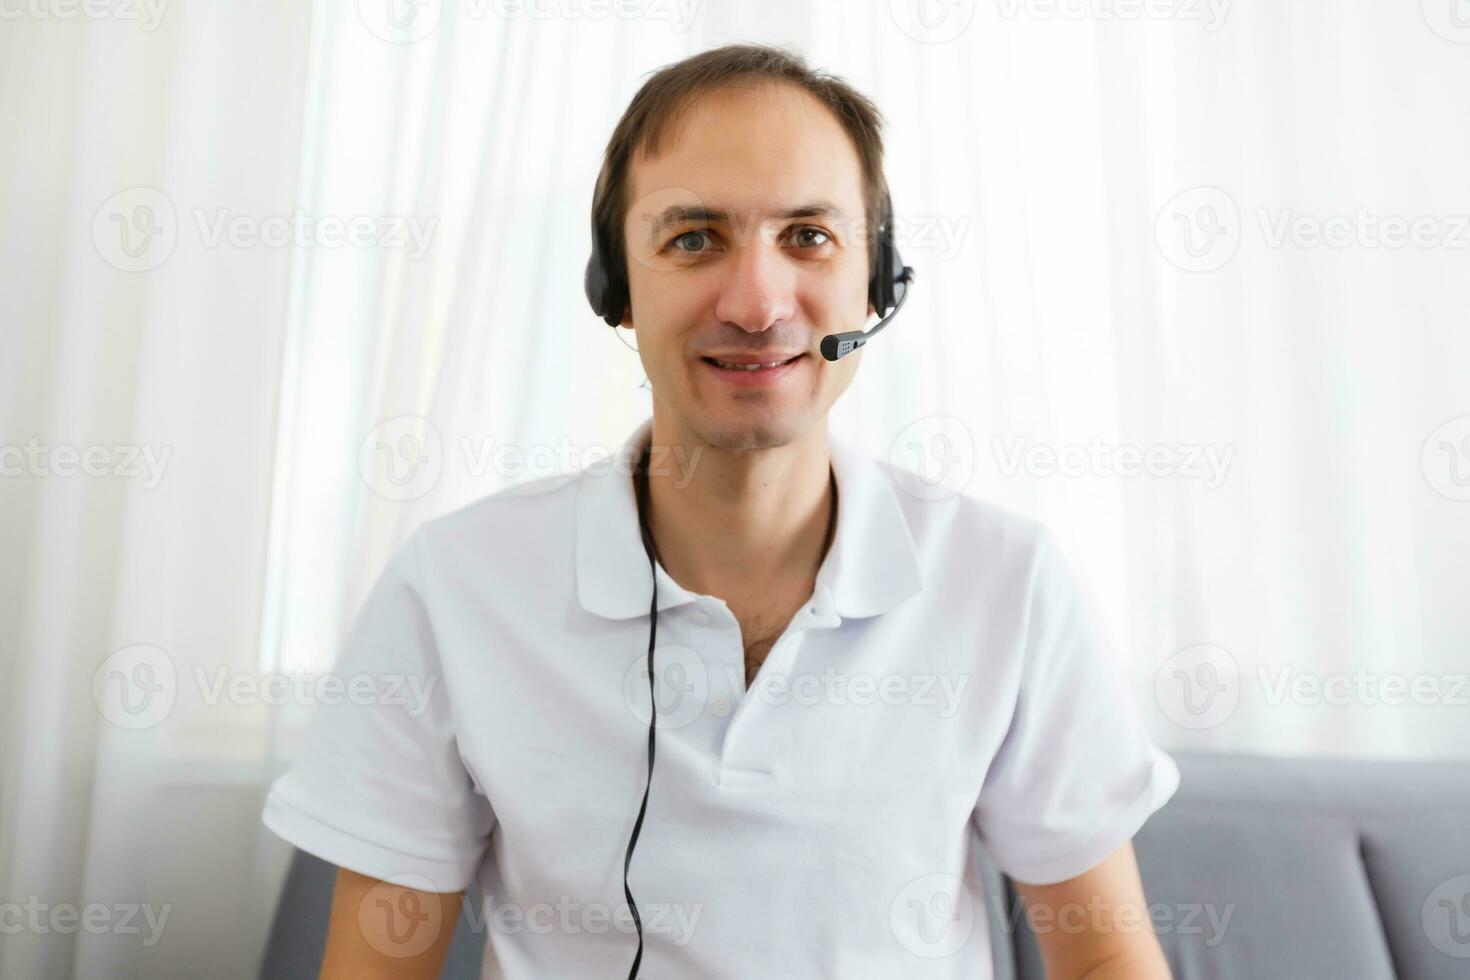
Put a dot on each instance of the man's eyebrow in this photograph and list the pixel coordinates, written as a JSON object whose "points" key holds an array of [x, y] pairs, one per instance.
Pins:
{"points": [[682, 214]]}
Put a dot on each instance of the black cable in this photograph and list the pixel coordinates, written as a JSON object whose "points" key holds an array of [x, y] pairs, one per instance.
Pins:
{"points": [[640, 482], [640, 487]]}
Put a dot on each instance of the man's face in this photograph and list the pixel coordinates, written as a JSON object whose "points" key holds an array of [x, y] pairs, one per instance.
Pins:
{"points": [[747, 240]]}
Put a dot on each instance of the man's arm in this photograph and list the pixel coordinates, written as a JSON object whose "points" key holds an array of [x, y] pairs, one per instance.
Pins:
{"points": [[380, 930], [1096, 926]]}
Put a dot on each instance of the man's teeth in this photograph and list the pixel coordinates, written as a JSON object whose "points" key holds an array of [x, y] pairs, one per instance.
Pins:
{"points": [[748, 367]]}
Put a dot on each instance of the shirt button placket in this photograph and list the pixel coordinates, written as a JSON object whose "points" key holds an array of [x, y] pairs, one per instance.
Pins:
{"points": [[726, 690]]}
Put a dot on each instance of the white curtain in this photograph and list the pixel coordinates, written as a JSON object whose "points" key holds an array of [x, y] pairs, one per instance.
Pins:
{"points": [[170, 377], [1293, 578], [269, 418]]}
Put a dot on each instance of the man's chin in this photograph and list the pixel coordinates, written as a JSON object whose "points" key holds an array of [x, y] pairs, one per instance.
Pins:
{"points": [[758, 431]]}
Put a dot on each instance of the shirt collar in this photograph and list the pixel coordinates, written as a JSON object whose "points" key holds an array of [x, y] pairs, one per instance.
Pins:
{"points": [[872, 566]]}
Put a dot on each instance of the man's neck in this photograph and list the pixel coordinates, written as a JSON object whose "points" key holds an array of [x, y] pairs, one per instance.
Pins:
{"points": [[733, 523]]}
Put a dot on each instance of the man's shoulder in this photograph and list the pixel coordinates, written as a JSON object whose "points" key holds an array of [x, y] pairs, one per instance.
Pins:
{"points": [[962, 519]]}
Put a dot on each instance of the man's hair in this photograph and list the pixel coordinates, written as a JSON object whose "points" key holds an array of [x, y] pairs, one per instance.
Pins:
{"points": [[673, 90]]}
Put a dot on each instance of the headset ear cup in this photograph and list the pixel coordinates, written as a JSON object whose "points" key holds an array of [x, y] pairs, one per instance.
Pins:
{"points": [[875, 284], [882, 288], [606, 291], [594, 280], [595, 284], [617, 302], [895, 275]]}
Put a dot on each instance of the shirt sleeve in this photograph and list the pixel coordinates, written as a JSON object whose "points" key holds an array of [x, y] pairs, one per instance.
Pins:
{"points": [[378, 785], [1076, 775]]}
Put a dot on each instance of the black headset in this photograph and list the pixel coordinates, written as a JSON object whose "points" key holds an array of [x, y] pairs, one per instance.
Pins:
{"points": [[606, 283]]}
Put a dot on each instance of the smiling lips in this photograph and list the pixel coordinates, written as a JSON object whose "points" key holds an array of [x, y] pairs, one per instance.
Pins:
{"points": [[750, 365], [753, 369]]}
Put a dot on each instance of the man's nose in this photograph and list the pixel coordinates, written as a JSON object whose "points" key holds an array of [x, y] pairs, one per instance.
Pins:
{"points": [[760, 289]]}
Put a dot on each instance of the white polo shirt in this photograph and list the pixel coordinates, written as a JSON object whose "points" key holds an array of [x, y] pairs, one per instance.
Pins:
{"points": [[944, 688]]}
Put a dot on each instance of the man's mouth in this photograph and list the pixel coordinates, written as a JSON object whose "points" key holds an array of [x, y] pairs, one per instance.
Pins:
{"points": [[727, 365]]}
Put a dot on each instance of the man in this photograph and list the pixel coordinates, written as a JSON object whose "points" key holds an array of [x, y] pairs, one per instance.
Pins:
{"points": [[858, 688]]}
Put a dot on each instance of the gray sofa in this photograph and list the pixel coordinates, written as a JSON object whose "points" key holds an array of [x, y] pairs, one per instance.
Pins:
{"points": [[1259, 868]]}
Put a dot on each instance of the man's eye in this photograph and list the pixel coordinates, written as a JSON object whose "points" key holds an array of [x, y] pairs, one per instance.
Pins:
{"points": [[804, 240], [688, 237]]}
